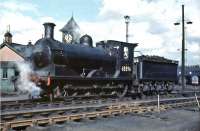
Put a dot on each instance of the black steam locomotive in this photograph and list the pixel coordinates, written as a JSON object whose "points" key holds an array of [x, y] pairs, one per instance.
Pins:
{"points": [[108, 69]]}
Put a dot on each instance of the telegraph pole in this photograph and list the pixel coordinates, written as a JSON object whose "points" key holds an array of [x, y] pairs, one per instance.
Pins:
{"points": [[183, 48]]}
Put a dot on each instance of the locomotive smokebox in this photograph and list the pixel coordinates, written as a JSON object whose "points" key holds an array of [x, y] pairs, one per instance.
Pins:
{"points": [[49, 30]]}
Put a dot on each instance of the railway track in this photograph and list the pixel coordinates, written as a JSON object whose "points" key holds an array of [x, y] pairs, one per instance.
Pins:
{"points": [[54, 115], [38, 104], [16, 105]]}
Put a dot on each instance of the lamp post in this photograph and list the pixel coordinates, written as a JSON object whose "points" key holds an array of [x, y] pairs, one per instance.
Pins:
{"points": [[127, 20], [183, 48]]}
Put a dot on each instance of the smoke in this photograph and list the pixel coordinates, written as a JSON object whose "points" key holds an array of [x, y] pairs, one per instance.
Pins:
{"points": [[24, 83]]}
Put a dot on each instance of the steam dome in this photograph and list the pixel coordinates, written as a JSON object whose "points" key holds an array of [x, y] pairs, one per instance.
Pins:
{"points": [[86, 40]]}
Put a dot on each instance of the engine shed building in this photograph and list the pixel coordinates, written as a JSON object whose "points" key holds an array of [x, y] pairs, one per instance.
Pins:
{"points": [[190, 71], [10, 54], [71, 32]]}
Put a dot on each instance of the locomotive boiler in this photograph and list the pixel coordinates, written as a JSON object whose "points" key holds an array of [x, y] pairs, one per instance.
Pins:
{"points": [[76, 57]]}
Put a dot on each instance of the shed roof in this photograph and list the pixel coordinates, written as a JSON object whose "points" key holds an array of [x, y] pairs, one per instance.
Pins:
{"points": [[24, 51]]}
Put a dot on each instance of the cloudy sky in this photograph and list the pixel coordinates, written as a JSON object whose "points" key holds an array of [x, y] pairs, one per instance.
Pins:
{"points": [[151, 22]]}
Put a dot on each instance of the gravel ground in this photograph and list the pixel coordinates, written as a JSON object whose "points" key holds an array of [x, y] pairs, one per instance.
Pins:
{"points": [[173, 120]]}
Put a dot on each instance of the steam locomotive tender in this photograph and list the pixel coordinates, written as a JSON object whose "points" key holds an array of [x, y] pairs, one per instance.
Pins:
{"points": [[81, 69], [156, 74]]}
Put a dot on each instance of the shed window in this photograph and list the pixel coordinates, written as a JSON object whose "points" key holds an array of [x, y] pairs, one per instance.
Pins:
{"points": [[5, 73], [16, 73]]}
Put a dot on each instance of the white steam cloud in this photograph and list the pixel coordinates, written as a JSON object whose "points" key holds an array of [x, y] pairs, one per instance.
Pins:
{"points": [[24, 83]]}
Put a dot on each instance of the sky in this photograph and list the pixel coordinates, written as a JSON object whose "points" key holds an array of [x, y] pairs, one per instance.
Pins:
{"points": [[151, 22]]}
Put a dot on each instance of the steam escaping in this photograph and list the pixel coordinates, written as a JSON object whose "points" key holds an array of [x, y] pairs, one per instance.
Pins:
{"points": [[24, 83]]}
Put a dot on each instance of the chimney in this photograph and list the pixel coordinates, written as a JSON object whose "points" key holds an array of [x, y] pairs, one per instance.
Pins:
{"points": [[29, 42], [49, 30]]}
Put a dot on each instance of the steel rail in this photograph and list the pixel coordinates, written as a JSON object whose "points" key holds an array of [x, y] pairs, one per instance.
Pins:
{"points": [[92, 105]]}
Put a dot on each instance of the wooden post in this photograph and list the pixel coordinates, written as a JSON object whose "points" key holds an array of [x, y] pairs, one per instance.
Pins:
{"points": [[158, 103], [197, 99]]}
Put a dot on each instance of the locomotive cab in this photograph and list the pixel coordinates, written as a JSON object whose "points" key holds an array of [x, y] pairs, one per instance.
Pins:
{"points": [[124, 53]]}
